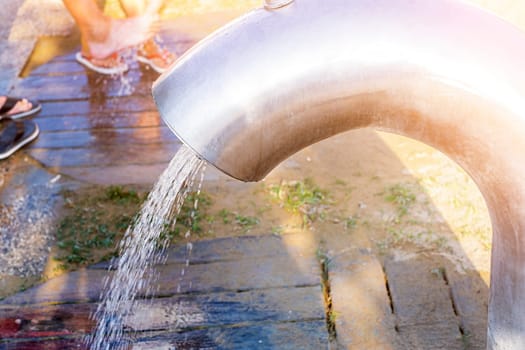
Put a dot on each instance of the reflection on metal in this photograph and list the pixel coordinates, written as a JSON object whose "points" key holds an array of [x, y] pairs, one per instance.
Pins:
{"points": [[442, 72], [275, 4]]}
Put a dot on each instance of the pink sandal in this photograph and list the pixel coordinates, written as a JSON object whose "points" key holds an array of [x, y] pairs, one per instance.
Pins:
{"points": [[162, 54], [103, 65]]}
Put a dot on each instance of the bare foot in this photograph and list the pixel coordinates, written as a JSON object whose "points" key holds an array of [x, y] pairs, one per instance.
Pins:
{"points": [[119, 34], [21, 106]]}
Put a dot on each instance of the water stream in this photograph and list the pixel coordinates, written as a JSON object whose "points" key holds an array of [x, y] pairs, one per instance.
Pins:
{"points": [[139, 250]]}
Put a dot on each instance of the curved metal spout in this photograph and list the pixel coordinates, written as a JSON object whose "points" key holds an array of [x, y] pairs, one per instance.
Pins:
{"points": [[275, 81], [443, 72]]}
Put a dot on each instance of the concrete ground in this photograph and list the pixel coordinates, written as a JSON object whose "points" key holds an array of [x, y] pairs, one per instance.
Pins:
{"points": [[322, 288]]}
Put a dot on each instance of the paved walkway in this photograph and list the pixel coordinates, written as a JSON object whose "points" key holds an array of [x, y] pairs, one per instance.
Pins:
{"points": [[262, 292]]}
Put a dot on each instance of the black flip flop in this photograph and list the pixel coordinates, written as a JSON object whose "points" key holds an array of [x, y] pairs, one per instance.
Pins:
{"points": [[14, 134], [10, 102]]}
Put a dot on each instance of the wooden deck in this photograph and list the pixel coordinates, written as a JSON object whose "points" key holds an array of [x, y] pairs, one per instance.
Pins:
{"points": [[264, 292], [99, 128]]}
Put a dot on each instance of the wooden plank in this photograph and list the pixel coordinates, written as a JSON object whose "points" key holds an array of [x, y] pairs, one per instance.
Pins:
{"points": [[127, 174], [103, 107], [45, 321], [300, 245], [105, 137], [77, 286], [422, 305], [283, 336], [99, 121], [64, 57], [258, 273], [123, 154], [59, 67], [45, 344], [182, 313], [471, 295], [227, 309], [361, 305], [85, 86]]}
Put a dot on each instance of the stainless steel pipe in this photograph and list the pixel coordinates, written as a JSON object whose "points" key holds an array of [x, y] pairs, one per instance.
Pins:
{"points": [[442, 72]]}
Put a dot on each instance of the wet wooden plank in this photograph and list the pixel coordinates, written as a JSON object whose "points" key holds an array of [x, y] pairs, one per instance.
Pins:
{"points": [[227, 309], [85, 86], [59, 67], [286, 336], [181, 312], [45, 344], [422, 304], [258, 273], [122, 154], [66, 56], [105, 137], [283, 336], [45, 321], [98, 107], [116, 120]]}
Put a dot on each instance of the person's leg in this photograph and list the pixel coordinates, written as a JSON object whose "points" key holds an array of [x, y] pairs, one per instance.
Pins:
{"points": [[149, 51], [101, 35], [133, 8]]}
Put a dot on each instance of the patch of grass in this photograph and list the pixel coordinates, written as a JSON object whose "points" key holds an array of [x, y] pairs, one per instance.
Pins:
{"points": [[301, 197], [237, 220], [466, 339], [330, 313], [324, 259], [439, 272], [246, 222], [193, 211], [396, 235], [95, 221], [122, 195], [191, 217], [277, 230], [225, 215], [402, 197], [350, 222], [333, 315]]}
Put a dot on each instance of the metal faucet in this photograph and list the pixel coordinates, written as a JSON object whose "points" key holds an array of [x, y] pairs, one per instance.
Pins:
{"points": [[443, 72]]}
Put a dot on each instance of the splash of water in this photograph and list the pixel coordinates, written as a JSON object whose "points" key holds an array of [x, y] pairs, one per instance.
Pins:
{"points": [[140, 250]]}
